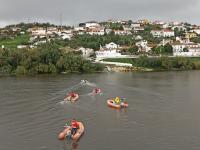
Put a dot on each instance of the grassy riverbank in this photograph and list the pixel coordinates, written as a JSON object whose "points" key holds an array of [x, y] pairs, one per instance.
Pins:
{"points": [[161, 64]]}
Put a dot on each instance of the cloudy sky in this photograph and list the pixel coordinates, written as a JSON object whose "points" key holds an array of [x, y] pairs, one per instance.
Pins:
{"points": [[75, 11]]}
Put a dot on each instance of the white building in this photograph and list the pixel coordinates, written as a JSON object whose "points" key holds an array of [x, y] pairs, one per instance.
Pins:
{"points": [[196, 30], [86, 52], [142, 43], [119, 32], [137, 29], [165, 25], [21, 46], [107, 53], [79, 29], [66, 36], [108, 31], [96, 31], [143, 46], [179, 27], [138, 37], [92, 24], [135, 25], [111, 45], [168, 33], [157, 33], [38, 31], [163, 33], [192, 49]]}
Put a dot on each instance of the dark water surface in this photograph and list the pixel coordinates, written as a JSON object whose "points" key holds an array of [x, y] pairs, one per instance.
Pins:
{"points": [[164, 112]]}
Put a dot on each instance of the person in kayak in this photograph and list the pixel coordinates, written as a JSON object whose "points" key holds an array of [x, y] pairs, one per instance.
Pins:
{"points": [[73, 95], [96, 90], [74, 126], [117, 100]]}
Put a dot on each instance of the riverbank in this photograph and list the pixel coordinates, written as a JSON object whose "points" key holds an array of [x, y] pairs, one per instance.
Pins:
{"points": [[144, 63]]}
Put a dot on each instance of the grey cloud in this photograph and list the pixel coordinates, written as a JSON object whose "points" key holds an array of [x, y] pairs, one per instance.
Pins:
{"points": [[74, 11]]}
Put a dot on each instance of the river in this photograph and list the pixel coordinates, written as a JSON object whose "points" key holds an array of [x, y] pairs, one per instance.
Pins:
{"points": [[163, 112]]}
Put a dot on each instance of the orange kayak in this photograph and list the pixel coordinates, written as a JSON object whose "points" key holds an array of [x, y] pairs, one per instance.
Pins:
{"points": [[112, 104], [72, 99], [67, 131]]}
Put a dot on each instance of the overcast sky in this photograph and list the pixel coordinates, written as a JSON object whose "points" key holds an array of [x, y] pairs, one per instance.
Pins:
{"points": [[75, 11]]}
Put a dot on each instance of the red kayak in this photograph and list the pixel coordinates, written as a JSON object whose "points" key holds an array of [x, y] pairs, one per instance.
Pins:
{"points": [[71, 98], [112, 104], [67, 131]]}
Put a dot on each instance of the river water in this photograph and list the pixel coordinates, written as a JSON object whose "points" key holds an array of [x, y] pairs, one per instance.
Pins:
{"points": [[163, 112]]}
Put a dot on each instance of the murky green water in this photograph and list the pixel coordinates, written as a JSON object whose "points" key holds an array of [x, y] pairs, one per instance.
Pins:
{"points": [[163, 114]]}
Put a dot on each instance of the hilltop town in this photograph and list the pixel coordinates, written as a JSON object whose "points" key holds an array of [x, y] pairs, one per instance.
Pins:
{"points": [[142, 36], [108, 39]]}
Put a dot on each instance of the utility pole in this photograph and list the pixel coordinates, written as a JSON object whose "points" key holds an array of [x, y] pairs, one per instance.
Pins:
{"points": [[60, 21]]}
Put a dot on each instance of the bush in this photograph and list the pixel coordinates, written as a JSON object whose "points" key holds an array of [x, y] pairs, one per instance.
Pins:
{"points": [[21, 70]]}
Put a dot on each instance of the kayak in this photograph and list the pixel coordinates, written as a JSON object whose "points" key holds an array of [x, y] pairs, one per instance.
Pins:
{"points": [[69, 98], [111, 103], [99, 91], [67, 131]]}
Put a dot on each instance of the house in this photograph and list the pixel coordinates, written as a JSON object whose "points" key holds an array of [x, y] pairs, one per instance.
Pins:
{"points": [[38, 31], [21, 46], [143, 21], [190, 49], [15, 29], [107, 53], [66, 36], [95, 31], [111, 46], [137, 29], [135, 24], [166, 41], [163, 33], [196, 30], [52, 30], [138, 37], [119, 32], [81, 29], [127, 28], [143, 46], [158, 22], [183, 40], [157, 33], [190, 35], [166, 25], [108, 31], [86, 52], [179, 27], [142, 43], [92, 25], [168, 33]]}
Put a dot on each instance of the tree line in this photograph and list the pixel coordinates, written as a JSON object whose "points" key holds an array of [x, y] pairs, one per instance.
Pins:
{"points": [[42, 60]]}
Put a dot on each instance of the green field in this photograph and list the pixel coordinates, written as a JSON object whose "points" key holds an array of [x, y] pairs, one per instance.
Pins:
{"points": [[18, 40]]}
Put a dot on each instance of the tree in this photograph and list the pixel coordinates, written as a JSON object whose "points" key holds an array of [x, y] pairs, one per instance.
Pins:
{"points": [[133, 50], [168, 49], [185, 49]]}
